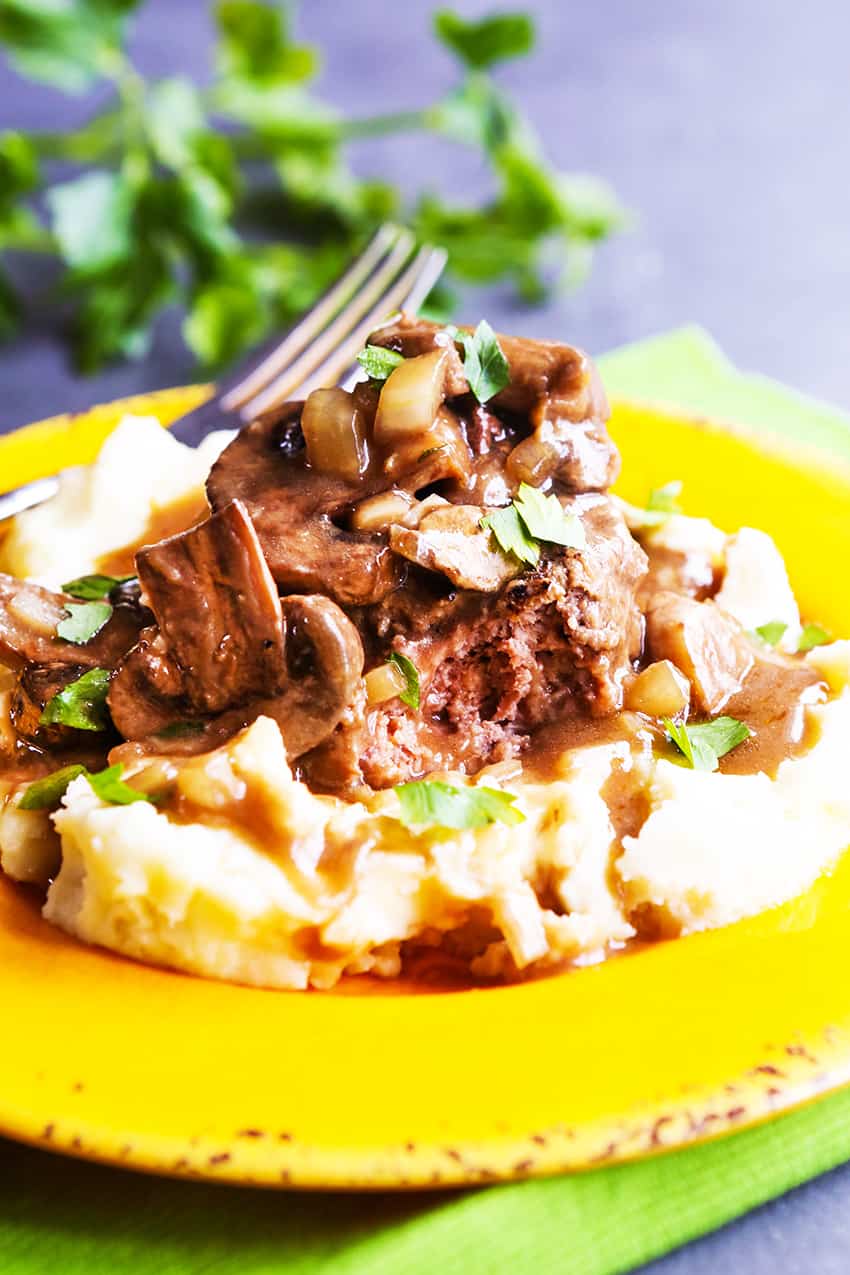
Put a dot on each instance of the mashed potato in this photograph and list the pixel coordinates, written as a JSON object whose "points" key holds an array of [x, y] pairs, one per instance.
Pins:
{"points": [[329, 887]]}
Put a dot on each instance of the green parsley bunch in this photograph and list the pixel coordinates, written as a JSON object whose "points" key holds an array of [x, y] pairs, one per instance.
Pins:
{"points": [[175, 192]]}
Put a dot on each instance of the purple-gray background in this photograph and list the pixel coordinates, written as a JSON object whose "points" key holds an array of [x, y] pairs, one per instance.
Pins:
{"points": [[725, 125]]}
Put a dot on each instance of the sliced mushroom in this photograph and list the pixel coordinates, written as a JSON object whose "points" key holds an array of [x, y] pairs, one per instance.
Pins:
{"points": [[450, 540], [324, 656], [555, 386], [293, 508], [29, 615]]}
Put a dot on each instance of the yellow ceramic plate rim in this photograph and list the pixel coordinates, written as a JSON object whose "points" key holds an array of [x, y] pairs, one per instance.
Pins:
{"points": [[687, 1040]]}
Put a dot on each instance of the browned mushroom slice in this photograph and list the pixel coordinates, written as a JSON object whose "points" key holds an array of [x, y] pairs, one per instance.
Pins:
{"points": [[450, 540], [29, 615], [324, 657], [556, 387], [293, 508]]}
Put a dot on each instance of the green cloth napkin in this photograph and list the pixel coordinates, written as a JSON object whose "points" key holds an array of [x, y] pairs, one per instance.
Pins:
{"points": [[81, 1219]]}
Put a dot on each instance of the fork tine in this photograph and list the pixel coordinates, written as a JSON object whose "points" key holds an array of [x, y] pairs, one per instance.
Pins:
{"points": [[293, 376], [342, 345], [337, 296], [331, 372]]}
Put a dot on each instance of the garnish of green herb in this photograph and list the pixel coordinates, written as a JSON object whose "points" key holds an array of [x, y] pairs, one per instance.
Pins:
{"points": [[81, 704], [703, 745], [664, 500], [236, 201], [432, 802], [109, 786], [378, 362], [771, 633], [531, 518], [410, 694], [177, 730], [813, 635], [47, 793], [83, 622], [93, 588], [484, 361]]}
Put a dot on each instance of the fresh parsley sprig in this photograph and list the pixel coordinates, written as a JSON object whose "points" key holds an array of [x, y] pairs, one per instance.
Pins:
{"points": [[530, 519], [411, 693], [81, 704], [83, 621], [431, 802], [702, 745], [108, 785], [157, 199]]}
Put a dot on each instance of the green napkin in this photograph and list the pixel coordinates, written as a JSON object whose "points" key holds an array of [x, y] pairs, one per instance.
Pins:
{"points": [[81, 1219]]}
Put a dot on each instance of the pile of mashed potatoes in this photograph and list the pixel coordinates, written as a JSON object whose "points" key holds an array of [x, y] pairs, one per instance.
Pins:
{"points": [[324, 887]]}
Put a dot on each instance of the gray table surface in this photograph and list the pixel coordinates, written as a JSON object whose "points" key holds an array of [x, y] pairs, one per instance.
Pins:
{"points": [[726, 127]]}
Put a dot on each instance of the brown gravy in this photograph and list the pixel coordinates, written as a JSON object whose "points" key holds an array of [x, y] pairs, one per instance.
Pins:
{"points": [[163, 523]]}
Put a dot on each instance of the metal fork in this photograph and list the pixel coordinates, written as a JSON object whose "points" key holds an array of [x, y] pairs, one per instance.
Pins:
{"points": [[390, 274]]}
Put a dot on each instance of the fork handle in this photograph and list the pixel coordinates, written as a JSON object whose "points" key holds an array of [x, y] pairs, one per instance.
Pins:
{"points": [[26, 497]]}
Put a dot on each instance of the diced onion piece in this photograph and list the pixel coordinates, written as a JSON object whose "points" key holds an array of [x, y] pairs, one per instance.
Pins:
{"points": [[8, 737], [440, 452], [383, 683], [532, 461], [381, 511], [659, 691], [411, 398], [36, 612], [335, 433]]}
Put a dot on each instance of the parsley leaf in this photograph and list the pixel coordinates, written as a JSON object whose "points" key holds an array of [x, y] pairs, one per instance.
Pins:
{"points": [[109, 786], [82, 704], [703, 745], [410, 694], [772, 633], [489, 40], [545, 518], [84, 621], [47, 793], [91, 219], [530, 518], [425, 802], [378, 362], [485, 365], [256, 44], [94, 587], [511, 534], [664, 500], [813, 635]]}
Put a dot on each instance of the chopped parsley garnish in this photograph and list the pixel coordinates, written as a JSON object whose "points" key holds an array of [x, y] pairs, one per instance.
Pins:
{"points": [[703, 745], [109, 786], [813, 635], [511, 534], [664, 500], [176, 730], [773, 632], [545, 519], [430, 801], [93, 588], [83, 621], [378, 362], [81, 704], [531, 518], [484, 361], [410, 694], [47, 793]]}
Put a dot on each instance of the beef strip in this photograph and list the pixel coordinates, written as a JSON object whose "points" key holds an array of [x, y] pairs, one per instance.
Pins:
{"points": [[227, 648]]}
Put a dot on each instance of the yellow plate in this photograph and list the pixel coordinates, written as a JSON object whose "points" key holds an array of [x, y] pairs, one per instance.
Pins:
{"points": [[390, 1087]]}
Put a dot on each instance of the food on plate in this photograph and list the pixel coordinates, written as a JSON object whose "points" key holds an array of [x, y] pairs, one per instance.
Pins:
{"points": [[406, 689]]}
